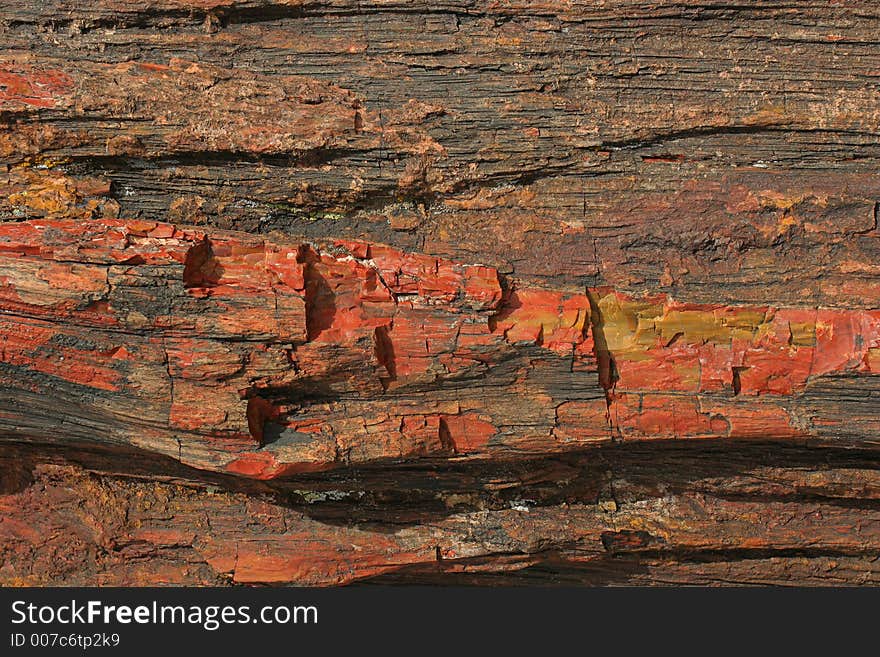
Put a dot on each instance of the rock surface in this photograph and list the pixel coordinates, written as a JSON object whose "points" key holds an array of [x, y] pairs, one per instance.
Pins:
{"points": [[324, 292]]}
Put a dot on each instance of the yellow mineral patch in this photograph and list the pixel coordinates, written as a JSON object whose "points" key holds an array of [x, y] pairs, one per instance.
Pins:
{"points": [[694, 325], [873, 359], [803, 334]]}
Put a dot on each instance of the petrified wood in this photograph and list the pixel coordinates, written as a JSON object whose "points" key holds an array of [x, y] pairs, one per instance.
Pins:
{"points": [[324, 292]]}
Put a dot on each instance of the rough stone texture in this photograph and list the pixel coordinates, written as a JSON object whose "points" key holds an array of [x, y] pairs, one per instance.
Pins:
{"points": [[322, 292]]}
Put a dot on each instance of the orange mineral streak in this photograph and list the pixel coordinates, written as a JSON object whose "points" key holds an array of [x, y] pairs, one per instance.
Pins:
{"points": [[359, 352], [337, 558], [551, 319], [265, 465], [25, 86], [41, 348]]}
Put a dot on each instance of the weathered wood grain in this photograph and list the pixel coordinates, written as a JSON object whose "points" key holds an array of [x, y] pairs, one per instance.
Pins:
{"points": [[743, 513], [403, 257]]}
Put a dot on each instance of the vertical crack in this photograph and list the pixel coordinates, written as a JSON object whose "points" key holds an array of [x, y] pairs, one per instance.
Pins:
{"points": [[608, 375]]}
